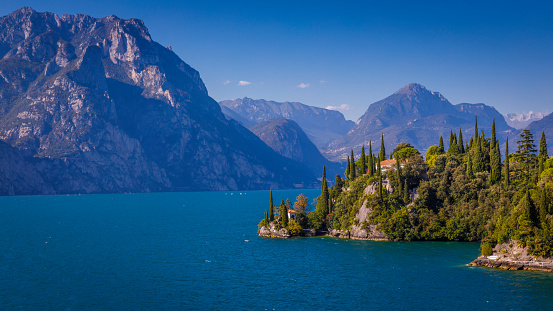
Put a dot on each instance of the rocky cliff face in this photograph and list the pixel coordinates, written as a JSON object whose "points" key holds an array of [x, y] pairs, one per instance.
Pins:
{"points": [[417, 116], [101, 107], [321, 125]]}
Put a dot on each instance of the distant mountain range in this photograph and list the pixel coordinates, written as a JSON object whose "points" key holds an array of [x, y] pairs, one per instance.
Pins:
{"points": [[288, 139], [95, 105], [545, 125], [417, 116], [321, 125], [522, 120]]}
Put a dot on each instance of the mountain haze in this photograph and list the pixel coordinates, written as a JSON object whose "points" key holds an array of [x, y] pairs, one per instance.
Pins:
{"points": [[288, 139], [417, 116], [545, 125], [321, 125], [95, 105]]}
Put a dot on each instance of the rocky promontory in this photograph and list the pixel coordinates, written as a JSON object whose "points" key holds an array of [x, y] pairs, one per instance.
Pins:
{"points": [[512, 256]]}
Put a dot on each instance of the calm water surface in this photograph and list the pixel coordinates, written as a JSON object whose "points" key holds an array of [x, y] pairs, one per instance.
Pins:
{"points": [[200, 251]]}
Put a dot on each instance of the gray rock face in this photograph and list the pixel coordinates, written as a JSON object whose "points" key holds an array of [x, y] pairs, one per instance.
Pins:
{"points": [[321, 125], [273, 232], [101, 107], [417, 116]]}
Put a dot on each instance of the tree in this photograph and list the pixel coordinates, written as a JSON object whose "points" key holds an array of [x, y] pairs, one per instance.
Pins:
{"points": [[371, 160], [470, 172], [478, 158], [406, 197], [382, 149], [475, 128], [363, 163], [507, 173], [441, 146], [266, 217], [322, 200], [347, 169], [283, 214], [525, 156], [352, 168], [494, 139], [379, 179], [398, 170], [542, 155], [272, 215], [543, 146], [461, 143], [301, 206]]}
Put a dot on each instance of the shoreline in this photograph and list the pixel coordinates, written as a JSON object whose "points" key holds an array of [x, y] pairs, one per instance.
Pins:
{"points": [[507, 264]]}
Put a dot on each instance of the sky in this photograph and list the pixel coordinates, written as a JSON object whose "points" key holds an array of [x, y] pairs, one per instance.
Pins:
{"points": [[349, 54]]}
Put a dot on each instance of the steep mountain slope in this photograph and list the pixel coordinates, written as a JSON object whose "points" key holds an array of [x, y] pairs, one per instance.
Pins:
{"points": [[288, 139], [321, 125], [545, 125], [104, 108], [415, 115]]}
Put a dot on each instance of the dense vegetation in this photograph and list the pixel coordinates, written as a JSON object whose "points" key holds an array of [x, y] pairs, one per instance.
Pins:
{"points": [[464, 193]]}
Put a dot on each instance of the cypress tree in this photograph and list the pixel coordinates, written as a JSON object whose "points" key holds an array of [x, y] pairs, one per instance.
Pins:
{"points": [[469, 168], [352, 169], [506, 164], [283, 214], [495, 163], [543, 206], [324, 194], [266, 217], [400, 184], [406, 193], [272, 215], [379, 179], [531, 211], [461, 143], [475, 127], [494, 139], [441, 146], [382, 149], [478, 160], [450, 148], [347, 169], [543, 146], [371, 160], [363, 164]]}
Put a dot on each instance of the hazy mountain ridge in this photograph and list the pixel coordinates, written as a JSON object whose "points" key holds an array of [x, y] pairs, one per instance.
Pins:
{"points": [[522, 120], [98, 106], [321, 125], [418, 116], [288, 139]]}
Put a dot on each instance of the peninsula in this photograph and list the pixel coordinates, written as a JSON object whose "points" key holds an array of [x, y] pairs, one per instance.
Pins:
{"points": [[464, 193]]}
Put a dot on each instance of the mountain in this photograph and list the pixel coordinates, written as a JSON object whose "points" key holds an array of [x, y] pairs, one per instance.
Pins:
{"points": [[521, 120], [321, 125], [417, 116], [288, 139], [545, 125], [95, 105]]}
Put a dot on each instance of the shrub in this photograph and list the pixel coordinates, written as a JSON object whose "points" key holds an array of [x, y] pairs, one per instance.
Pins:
{"points": [[486, 249]]}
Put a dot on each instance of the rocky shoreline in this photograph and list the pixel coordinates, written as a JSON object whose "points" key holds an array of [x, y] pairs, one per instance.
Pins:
{"points": [[357, 233], [512, 256]]}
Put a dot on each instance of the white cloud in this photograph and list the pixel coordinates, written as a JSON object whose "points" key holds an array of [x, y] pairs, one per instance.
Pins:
{"points": [[323, 81], [303, 85], [243, 83], [341, 107], [226, 82]]}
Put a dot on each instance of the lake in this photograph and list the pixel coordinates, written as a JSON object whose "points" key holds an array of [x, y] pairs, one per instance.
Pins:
{"points": [[200, 251]]}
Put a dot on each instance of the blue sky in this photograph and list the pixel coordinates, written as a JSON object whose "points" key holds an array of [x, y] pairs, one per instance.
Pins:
{"points": [[351, 54]]}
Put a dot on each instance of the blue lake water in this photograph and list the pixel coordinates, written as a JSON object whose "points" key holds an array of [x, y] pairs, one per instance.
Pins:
{"points": [[200, 251]]}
